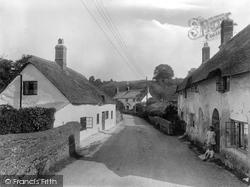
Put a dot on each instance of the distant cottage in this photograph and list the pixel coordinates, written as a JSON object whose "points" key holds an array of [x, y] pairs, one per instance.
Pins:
{"points": [[45, 83], [131, 97], [218, 94]]}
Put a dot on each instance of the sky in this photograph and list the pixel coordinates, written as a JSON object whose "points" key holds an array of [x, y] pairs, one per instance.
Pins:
{"points": [[155, 32]]}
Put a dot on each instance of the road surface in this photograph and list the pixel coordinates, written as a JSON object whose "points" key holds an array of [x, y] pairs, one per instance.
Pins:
{"points": [[138, 155]]}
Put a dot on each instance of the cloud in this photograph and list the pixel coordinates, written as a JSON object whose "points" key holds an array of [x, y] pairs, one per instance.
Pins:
{"points": [[155, 32]]}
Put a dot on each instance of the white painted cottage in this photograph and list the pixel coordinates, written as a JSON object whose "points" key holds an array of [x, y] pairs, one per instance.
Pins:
{"points": [[45, 83], [218, 94], [131, 97]]}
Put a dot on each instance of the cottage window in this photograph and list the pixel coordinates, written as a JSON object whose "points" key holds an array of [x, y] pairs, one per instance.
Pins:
{"points": [[185, 93], [111, 114], [97, 119], [237, 135], [194, 88], [29, 87], [86, 122], [126, 100], [223, 84], [107, 114]]}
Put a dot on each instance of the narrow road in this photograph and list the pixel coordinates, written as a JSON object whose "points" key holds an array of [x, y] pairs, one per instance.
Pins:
{"points": [[138, 155]]}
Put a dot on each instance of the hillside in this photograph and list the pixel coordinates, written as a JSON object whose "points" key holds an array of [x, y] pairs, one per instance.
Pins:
{"points": [[160, 91]]}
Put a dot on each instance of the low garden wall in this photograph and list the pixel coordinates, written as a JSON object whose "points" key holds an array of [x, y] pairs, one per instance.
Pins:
{"points": [[35, 153], [163, 125]]}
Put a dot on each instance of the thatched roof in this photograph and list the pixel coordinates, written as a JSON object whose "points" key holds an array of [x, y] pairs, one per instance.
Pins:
{"points": [[131, 94], [74, 86], [232, 59]]}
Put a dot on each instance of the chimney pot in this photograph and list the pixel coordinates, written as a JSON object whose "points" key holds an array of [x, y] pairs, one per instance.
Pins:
{"points": [[205, 52], [61, 54]]}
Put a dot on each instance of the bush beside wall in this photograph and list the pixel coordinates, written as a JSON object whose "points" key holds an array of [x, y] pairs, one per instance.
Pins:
{"points": [[35, 153], [25, 120]]}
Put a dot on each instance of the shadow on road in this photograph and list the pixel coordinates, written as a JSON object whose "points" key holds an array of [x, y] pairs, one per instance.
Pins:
{"points": [[140, 150]]}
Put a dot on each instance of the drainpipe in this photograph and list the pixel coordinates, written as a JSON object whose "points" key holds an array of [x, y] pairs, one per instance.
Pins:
{"points": [[21, 89]]}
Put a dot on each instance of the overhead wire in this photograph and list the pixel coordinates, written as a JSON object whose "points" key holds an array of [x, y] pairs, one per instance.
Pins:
{"points": [[108, 38], [122, 41], [119, 38]]}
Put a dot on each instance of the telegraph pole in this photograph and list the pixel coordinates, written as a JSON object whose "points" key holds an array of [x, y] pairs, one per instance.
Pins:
{"points": [[147, 91]]}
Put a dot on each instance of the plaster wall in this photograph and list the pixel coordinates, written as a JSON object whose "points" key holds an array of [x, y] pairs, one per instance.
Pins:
{"points": [[74, 113], [130, 103], [233, 104], [47, 95], [145, 98]]}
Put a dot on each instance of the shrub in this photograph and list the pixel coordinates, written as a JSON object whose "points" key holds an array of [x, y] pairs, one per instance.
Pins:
{"points": [[26, 120], [119, 105]]}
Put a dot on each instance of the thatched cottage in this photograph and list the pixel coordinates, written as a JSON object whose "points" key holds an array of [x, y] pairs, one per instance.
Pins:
{"points": [[47, 83], [218, 94], [131, 97]]}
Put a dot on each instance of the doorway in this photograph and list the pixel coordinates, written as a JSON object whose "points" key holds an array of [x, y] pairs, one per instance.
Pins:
{"points": [[103, 120], [216, 125]]}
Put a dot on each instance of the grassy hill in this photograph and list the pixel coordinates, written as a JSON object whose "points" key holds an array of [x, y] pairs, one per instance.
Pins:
{"points": [[159, 91]]}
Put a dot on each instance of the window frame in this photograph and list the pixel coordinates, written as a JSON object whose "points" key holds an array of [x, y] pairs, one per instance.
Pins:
{"points": [[107, 114], [237, 135], [194, 88], [86, 123], [185, 94], [27, 84], [223, 84]]}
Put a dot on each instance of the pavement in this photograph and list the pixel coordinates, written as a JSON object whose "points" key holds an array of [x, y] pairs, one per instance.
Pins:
{"points": [[90, 145], [134, 153]]}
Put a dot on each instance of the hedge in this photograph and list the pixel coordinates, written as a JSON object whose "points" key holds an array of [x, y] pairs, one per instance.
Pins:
{"points": [[25, 120]]}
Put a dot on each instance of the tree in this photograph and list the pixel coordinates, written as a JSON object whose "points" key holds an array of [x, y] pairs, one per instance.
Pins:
{"points": [[8, 69], [119, 105], [92, 79], [163, 72], [98, 82]]}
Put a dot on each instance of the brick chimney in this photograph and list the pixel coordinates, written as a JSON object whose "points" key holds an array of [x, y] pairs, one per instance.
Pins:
{"points": [[61, 54], [226, 30], [205, 52]]}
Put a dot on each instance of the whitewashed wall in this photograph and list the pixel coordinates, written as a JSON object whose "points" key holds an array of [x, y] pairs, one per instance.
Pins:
{"points": [[47, 96], [74, 113], [234, 104]]}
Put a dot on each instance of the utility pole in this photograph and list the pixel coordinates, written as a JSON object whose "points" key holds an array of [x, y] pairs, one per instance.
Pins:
{"points": [[147, 91]]}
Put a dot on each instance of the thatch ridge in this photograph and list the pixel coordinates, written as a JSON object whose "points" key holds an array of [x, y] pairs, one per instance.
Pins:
{"points": [[131, 94], [73, 85]]}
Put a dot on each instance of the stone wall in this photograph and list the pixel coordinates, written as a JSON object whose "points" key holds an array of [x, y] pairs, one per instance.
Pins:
{"points": [[162, 124], [36, 153]]}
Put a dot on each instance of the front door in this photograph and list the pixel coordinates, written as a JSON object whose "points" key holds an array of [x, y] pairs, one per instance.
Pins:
{"points": [[216, 125], [103, 120]]}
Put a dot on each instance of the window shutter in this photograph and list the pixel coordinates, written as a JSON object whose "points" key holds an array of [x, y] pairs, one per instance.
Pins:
{"points": [[228, 83]]}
